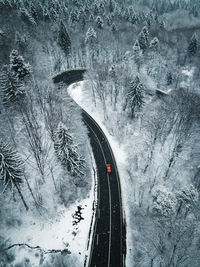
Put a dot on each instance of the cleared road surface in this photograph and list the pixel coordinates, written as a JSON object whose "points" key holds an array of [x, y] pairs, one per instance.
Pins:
{"points": [[109, 239]]}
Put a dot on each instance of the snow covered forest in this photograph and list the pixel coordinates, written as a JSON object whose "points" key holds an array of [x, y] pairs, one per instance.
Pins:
{"points": [[143, 77]]}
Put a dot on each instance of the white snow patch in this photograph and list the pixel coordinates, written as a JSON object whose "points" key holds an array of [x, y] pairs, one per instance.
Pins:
{"points": [[56, 234], [187, 72]]}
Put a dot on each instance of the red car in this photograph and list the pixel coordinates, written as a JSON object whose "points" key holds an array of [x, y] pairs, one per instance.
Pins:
{"points": [[108, 168]]}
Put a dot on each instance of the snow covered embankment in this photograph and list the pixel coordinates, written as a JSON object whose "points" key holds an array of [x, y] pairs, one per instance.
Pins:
{"points": [[68, 234]]}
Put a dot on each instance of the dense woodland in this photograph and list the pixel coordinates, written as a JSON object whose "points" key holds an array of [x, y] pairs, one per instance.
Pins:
{"points": [[131, 49]]}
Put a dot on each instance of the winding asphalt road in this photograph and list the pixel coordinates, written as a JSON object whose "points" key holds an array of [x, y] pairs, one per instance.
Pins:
{"points": [[108, 244]]}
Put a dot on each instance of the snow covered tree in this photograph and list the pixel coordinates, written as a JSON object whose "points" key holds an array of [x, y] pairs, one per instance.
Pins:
{"points": [[146, 33], [20, 40], [82, 18], [162, 25], [91, 36], [112, 73], [142, 40], [187, 198], [74, 16], [193, 45], [137, 54], [135, 96], [169, 78], [99, 22], [126, 14], [111, 6], [66, 151], [164, 202], [18, 65], [11, 169], [154, 44], [101, 9], [96, 9], [114, 28], [91, 18], [11, 87], [64, 39], [148, 22], [27, 16], [156, 18], [133, 18], [109, 21]]}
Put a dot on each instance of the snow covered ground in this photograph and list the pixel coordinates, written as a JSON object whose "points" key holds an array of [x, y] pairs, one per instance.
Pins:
{"points": [[57, 234], [78, 92]]}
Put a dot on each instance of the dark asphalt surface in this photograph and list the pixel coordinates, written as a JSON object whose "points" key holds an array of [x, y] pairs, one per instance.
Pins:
{"points": [[109, 240], [107, 247]]}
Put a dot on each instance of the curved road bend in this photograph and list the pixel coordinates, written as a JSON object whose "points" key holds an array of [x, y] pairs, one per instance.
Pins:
{"points": [[107, 246], [109, 237]]}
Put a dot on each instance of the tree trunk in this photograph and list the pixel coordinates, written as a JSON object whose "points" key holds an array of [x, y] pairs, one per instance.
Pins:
{"points": [[21, 196]]}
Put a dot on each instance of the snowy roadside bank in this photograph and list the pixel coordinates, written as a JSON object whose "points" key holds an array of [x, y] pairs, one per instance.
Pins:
{"points": [[70, 233]]}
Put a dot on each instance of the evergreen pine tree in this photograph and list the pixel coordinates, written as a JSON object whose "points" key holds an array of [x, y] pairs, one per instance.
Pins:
{"points": [[133, 18], [156, 18], [154, 44], [20, 40], [193, 45], [101, 9], [114, 28], [109, 21], [137, 53], [111, 6], [66, 151], [27, 17], [146, 34], [74, 16], [142, 40], [96, 10], [99, 22], [11, 169], [169, 78], [112, 73], [126, 14], [135, 95], [64, 39], [162, 25], [11, 87], [91, 18], [91, 36], [148, 22], [18, 65]]}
